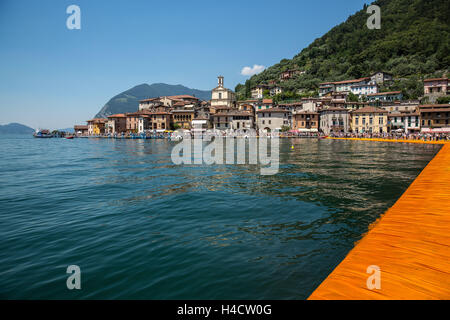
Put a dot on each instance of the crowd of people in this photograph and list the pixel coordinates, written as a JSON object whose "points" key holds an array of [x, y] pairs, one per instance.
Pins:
{"points": [[396, 136]]}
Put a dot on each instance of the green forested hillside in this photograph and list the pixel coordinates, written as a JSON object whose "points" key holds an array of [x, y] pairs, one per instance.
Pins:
{"points": [[413, 42]]}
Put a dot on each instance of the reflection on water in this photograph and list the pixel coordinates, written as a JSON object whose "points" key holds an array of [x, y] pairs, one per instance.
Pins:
{"points": [[141, 227]]}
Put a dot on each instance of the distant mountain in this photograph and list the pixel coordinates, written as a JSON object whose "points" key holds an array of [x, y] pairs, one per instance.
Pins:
{"points": [[15, 128], [128, 101]]}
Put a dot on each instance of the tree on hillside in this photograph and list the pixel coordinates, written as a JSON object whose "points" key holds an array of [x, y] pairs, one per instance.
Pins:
{"points": [[352, 97]]}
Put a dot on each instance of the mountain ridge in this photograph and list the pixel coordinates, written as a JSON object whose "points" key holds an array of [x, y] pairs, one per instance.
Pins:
{"points": [[15, 128]]}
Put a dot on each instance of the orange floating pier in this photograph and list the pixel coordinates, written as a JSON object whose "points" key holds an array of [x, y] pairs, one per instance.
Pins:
{"points": [[410, 243]]}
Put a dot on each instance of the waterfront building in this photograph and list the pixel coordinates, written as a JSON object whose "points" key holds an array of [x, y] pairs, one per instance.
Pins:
{"points": [[221, 120], [404, 121], [81, 130], [369, 120], [232, 119], [96, 126], [400, 106], [381, 77], [158, 121], [291, 108], [305, 121], [385, 96], [200, 124], [435, 118], [242, 120], [435, 88], [334, 120], [117, 123], [132, 121], [183, 118], [221, 96], [272, 119]]}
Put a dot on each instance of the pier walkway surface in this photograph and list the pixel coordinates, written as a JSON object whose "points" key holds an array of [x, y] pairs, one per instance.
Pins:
{"points": [[410, 243]]}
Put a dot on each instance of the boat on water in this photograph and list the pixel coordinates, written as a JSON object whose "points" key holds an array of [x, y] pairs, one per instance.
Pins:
{"points": [[69, 137], [43, 134]]}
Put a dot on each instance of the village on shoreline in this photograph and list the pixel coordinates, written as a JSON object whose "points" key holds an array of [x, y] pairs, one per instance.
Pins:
{"points": [[332, 113]]}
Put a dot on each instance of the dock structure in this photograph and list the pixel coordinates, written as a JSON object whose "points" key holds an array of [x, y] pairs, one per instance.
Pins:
{"points": [[410, 244]]}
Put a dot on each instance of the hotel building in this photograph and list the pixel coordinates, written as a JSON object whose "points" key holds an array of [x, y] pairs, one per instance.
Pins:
{"points": [[272, 119], [435, 118], [334, 120], [369, 120]]}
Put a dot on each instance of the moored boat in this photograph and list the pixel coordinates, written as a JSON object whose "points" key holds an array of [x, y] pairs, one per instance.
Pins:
{"points": [[43, 134]]}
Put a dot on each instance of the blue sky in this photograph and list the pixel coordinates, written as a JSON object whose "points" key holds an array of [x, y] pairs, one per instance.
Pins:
{"points": [[53, 77]]}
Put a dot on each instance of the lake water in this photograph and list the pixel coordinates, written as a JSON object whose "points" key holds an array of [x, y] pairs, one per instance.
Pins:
{"points": [[140, 227]]}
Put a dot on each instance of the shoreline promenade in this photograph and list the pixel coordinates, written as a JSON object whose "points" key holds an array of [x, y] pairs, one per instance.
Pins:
{"points": [[410, 243]]}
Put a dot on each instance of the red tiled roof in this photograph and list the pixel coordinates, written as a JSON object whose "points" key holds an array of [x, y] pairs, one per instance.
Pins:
{"points": [[370, 109], [118, 115], [98, 120], [272, 110], [352, 81]]}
